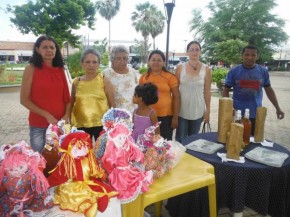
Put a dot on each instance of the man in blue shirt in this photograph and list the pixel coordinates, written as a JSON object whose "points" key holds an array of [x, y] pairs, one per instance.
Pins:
{"points": [[247, 80]]}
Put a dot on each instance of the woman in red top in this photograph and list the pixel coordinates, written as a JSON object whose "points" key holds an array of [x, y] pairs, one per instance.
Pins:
{"points": [[44, 90]]}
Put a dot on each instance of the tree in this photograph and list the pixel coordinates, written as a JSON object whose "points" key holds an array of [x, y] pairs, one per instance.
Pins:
{"points": [[56, 18], [244, 20], [229, 51], [108, 9], [74, 63], [139, 48], [100, 46], [142, 21], [157, 25]]}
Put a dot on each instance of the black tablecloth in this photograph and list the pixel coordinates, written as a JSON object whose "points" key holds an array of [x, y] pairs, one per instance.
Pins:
{"points": [[262, 188]]}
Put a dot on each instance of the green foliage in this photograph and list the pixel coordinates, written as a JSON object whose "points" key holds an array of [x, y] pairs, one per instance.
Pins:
{"points": [[105, 59], [229, 51], [75, 67], [55, 18], [2, 69], [108, 9], [144, 20], [100, 46], [281, 68], [248, 21], [219, 74], [143, 70], [11, 77], [157, 26], [74, 64], [141, 50]]}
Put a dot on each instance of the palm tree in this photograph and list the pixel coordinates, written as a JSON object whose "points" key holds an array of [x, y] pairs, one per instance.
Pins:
{"points": [[108, 9], [157, 25], [142, 21]]}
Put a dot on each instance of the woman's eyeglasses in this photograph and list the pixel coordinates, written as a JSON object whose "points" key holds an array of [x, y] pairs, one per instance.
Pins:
{"points": [[119, 59]]}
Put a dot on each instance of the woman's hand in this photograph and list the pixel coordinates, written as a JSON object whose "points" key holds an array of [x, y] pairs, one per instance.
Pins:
{"points": [[206, 116], [66, 118], [174, 122], [50, 118]]}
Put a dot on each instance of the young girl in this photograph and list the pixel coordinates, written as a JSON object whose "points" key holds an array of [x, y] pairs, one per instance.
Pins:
{"points": [[144, 116]]}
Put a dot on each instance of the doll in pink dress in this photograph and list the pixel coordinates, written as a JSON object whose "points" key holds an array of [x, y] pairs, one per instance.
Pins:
{"points": [[23, 185], [123, 162]]}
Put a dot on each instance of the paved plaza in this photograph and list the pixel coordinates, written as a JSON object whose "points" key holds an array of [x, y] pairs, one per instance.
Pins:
{"points": [[14, 123]]}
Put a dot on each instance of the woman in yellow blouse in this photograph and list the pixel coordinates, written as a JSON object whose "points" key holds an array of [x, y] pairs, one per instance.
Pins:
{"points": [[167, 106], [92, 96]]}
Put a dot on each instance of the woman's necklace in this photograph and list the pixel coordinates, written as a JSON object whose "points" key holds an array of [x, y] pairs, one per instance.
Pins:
{"points": [[194, 67]]}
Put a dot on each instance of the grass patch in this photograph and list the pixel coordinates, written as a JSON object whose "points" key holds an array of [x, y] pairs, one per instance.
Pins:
{"points": [[11, 77], [216, 94]]}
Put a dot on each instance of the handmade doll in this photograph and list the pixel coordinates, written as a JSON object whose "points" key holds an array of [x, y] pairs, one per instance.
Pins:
{"points": [[122, 160], [81, 187], [24, 187], [54, 135], [157, 155], [111, 118]]}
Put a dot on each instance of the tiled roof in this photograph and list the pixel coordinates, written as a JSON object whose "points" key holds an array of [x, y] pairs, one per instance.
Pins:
{"points": [[14, 45]]}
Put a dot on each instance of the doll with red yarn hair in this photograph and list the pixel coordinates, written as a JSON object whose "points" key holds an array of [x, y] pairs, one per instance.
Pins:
{"points": [[80, 181], [123, 162]]}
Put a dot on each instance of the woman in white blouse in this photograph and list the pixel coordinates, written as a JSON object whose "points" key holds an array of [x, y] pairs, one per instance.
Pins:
{"points": [[194, 86], [123, 78]]}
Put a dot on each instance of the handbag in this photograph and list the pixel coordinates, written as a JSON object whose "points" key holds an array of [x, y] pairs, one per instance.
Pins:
{"points": [[206, 128]]}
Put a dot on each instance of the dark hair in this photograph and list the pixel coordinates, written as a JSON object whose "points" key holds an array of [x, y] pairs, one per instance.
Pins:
{"points": [[90, 51], [162, 56], [251, 47], [148, 92], [37, 60], [192, 42]]}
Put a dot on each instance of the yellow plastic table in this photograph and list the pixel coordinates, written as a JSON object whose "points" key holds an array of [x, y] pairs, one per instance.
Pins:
{"points": [[189, 174]]}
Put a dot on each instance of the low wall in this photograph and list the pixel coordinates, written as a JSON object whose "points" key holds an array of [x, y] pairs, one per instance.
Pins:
{"points": [[10, 88]]}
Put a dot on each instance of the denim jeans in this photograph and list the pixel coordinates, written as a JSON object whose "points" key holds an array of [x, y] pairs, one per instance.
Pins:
{"points": [[37, 138], [187, 127]]}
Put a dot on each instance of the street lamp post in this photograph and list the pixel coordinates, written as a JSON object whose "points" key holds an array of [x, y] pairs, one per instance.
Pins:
{"points": [[65, 45], [185, 46], [169, 9]]}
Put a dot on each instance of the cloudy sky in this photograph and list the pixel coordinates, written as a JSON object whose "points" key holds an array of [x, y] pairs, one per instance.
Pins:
{"points": [[121, 27]]}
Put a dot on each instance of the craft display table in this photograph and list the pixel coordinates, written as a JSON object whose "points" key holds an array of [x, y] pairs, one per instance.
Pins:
{"points": [[263, 188]]}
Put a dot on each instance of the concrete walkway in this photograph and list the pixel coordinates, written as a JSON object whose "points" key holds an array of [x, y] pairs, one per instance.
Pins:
{"points": [[14, 124]]}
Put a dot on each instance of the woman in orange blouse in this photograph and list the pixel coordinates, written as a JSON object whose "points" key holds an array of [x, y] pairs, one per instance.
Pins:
{"points": [[167, 107]]}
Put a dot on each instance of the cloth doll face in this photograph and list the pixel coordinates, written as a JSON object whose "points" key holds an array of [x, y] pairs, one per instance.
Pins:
{"points": [[17, 170], [120, 140], [79, 150]]}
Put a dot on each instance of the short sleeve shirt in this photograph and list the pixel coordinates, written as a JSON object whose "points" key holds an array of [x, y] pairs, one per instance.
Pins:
{"points": [[247, 84], [165, 81]]}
